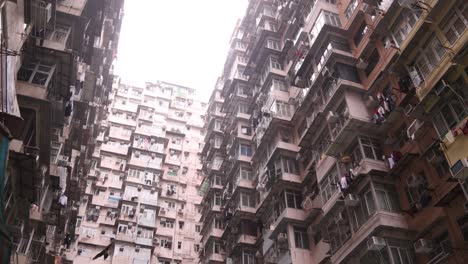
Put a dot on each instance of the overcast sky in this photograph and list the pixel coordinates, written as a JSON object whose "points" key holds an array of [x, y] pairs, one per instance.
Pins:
{"points": [[179, 41]]}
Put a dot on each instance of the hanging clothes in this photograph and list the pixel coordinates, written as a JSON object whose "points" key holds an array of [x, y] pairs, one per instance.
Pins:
{"points": [[63, 200]]}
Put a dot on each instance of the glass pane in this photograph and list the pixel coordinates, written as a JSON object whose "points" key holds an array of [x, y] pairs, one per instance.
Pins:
{"points": [[40, 78]]}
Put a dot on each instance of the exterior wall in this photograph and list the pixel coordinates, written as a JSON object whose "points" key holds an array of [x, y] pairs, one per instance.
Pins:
{"points": [[148, 216], [327, 120]]}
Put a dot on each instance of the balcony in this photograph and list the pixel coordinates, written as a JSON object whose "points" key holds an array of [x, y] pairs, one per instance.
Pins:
{"points": [[144, 161], [150, 130], [145, 221], [127, 106], [379, 220], [144, 241], [288, 215], [105, 200], [246, 239], [122, 120], [118, 133], [148, 145], [94, 237], [312, 207], [126, 237], [115, 147], [148, 200], [112, 163], [165, 212], [366, 166]]}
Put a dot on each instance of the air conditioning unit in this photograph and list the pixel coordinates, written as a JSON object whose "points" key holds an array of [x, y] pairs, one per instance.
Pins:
{"points": [[423, 246], [376, 243], [459, 169], [156, 241], [282, 237], [162, 211], [153, 190], [351, 200], [181, 211], [440, 87], [414, 131], [332, 117], [137, 154], [137, 248], [41, 13], [362, 64]]}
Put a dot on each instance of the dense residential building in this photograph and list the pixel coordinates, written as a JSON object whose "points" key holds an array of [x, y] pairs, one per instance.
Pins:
{"points": [[56, 76], [142, 189], [337, 133]]}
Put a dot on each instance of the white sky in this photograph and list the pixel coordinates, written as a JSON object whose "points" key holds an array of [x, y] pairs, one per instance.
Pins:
{"points": [[179, 41]]}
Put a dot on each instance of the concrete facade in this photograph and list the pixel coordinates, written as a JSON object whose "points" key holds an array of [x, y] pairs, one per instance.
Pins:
{"points": [[337, 134], [142, 189]]}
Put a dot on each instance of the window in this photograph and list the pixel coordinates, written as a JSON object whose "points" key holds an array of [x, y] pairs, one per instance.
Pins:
{"points": [[246, 173], [277, 84], [301, 240], [427, 58], [247, 199], [449, 114], [242, 90], [170, 205], [401, 255], [217, 199], [456, 21], [283, 109], [293, 199], [404, 25], [350, 9], [273, 44], [275, 64], [166, 243], [243, 109], [386, 197], [218, 223], [36, 72], [246, 130], [370, 148], [289, 165], [196, 247], [167, 223], [179, 245], [245, 150], [248, 257], [325, 17], [217, 247], [328, 186], [217, 180], [360, 33], [197, 228]]}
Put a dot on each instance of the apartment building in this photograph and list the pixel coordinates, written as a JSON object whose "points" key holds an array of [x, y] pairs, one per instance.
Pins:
{"points": [[56, 76], [337, 133], [142, 189]]}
